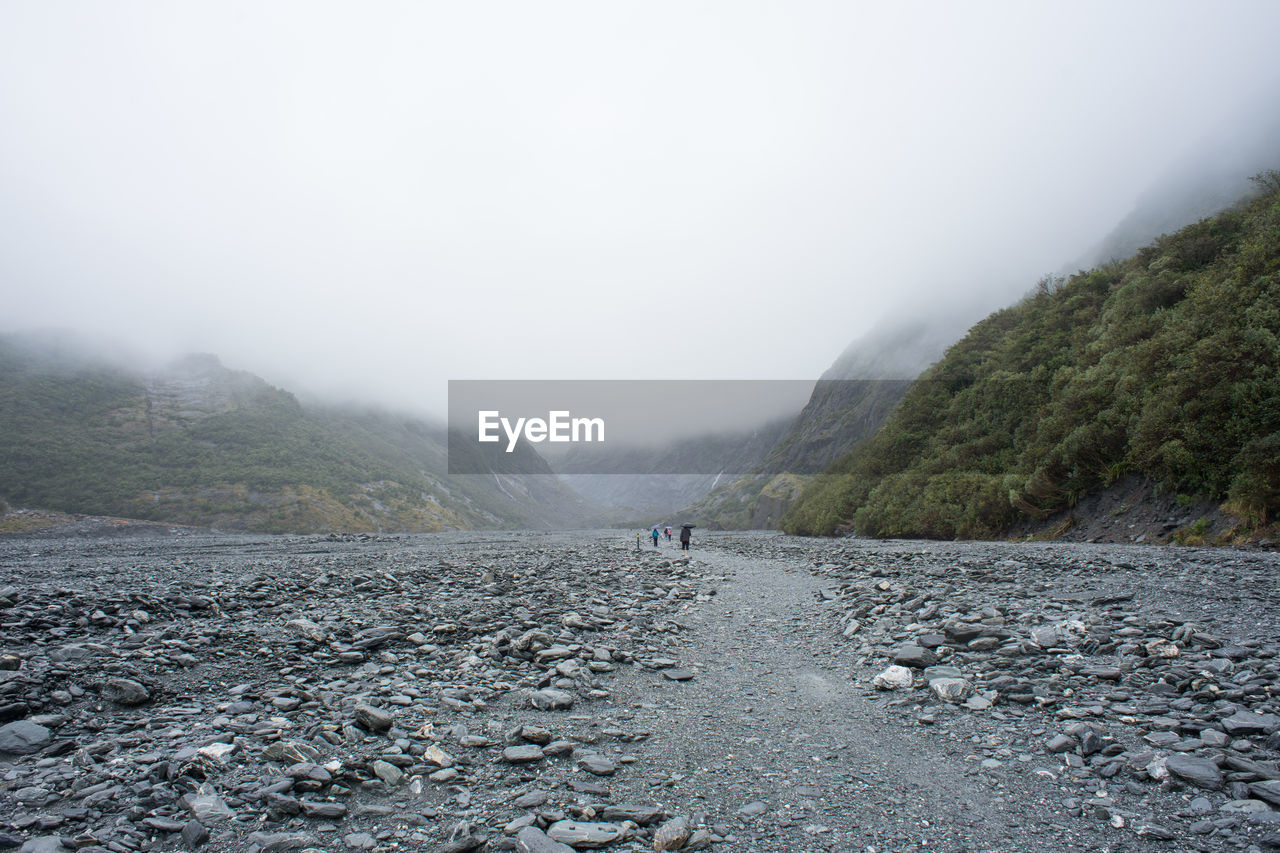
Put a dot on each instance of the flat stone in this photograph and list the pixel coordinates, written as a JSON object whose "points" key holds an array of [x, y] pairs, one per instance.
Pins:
{"points": [[582, 835], [526, 754], [1246, 723], [291, 752], [1268, 790], [640, 814], [941, 671], [1200, 772], [275, 842], [534, 840], [306, 629], [551, 699], [323, 809], [916, 657], [598, 765], [23, 737]]}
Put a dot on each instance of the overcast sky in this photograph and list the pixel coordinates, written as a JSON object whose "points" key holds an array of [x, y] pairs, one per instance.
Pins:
{"points": [[368, 199]]}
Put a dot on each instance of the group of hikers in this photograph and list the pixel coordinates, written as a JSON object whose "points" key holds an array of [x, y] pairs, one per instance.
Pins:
{"points": [[657, 531]]}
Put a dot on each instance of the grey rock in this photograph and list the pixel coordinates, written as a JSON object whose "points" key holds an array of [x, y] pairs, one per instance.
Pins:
{"points": [[916, 657], [526, 754], [373, 719], [323, 809], [1247, 723], [954, 690], [23, 737], [125, 691], [640, 814], [534, 840], [275, 842], [598, 765], [43, 844], [1268, 790], [387, 772], [893, 678], [551, 699], [206, 806], [194, 834], [672, 835], [699, 840], [1200, 772], [583, 835]]}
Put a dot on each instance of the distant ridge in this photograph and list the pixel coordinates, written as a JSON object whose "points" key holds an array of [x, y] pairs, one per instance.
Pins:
{"points": [[198, 443]]}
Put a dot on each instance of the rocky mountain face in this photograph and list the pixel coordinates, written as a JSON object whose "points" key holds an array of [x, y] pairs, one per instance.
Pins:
{"points": [[849, 403], [197, 443]]}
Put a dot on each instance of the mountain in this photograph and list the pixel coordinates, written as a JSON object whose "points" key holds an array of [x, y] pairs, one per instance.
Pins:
{"points": [[197, 443], [1164, 367], [1207, 180], [848, 404], [636, 485]]}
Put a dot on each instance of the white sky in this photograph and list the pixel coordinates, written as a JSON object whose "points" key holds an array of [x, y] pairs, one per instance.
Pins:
{"points": [[368, 199]]}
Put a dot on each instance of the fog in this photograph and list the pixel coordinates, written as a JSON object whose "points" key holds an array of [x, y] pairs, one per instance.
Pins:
{"points": [[366, 200]]}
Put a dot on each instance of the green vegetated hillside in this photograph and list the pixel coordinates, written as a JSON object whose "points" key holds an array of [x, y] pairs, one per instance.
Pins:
{"points": [[1165, 365], [201, 444]]}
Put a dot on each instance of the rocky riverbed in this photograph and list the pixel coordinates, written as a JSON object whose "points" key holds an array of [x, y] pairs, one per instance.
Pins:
{"points": [[552, 692]]}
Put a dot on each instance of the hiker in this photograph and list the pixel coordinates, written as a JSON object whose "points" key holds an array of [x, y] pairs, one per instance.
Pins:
{"points": [[668, 532], [685, 536], [655, 537]]}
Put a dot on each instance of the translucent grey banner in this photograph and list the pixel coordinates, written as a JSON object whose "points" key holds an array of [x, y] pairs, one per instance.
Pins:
{"points": [[693, 427]]}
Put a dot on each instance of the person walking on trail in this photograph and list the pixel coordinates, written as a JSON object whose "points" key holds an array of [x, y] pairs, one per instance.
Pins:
{"points": [[655, 537], [668, 532], [685, 536]]}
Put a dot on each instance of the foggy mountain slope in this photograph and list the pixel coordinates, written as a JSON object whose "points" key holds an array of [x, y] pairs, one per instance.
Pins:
{"points": [[849, 403], [634, 485], [198, 443], [1204, 183], [1164, 367]]}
